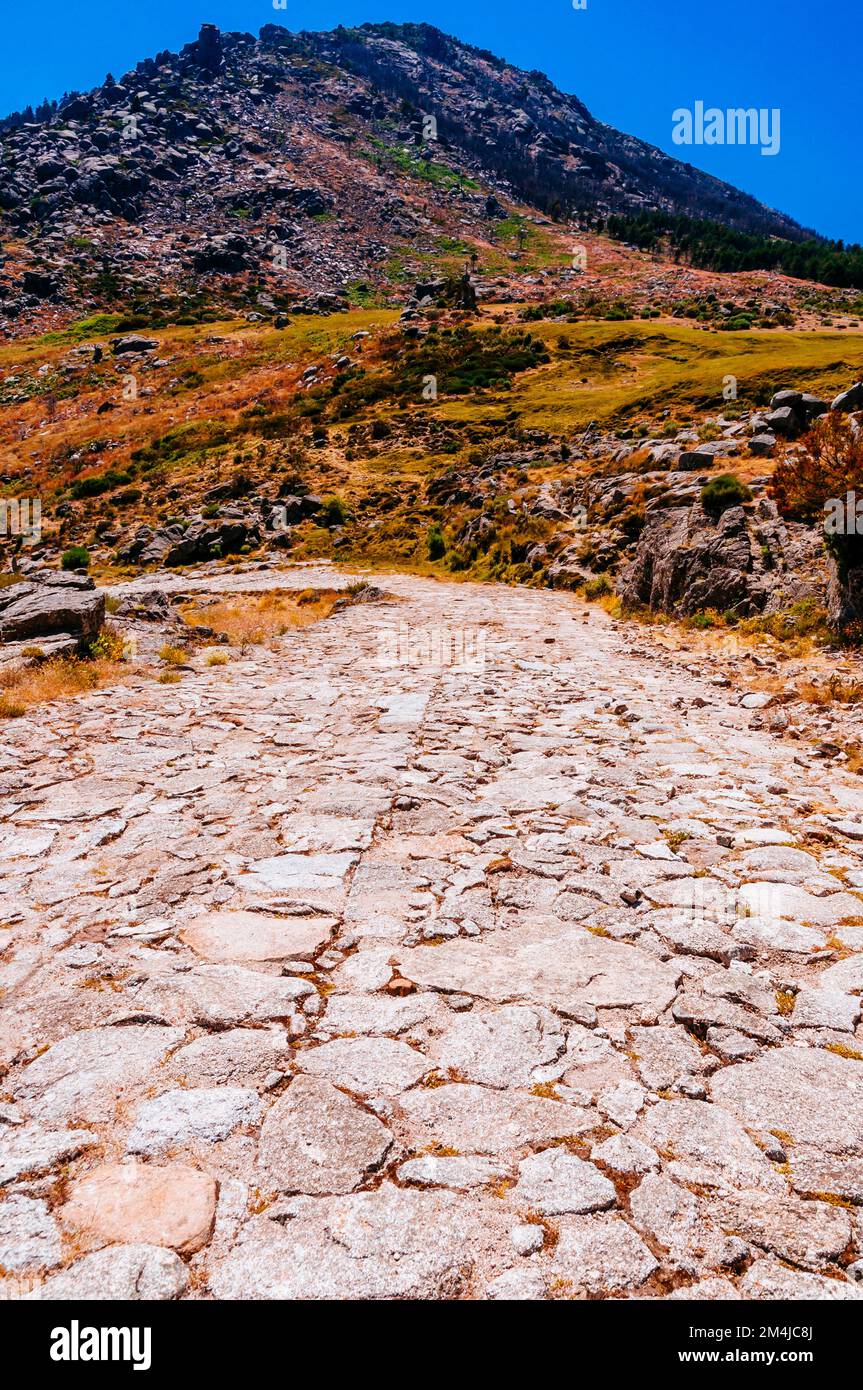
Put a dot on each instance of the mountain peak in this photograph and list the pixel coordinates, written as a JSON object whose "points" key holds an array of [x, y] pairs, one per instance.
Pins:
{"points": [[352, 152]]}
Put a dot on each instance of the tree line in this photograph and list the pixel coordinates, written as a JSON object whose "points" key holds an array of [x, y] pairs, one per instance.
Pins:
{"points": [[713, 246]]}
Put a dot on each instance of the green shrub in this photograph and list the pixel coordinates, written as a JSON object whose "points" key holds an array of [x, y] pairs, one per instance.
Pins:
{"points": [[333, 512], [436, 543], [723, 492], [98, 483], [598, 587], [75, 558]]}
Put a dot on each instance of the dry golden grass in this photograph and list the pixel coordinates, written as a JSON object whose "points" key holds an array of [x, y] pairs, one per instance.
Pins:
{"points": [[835, 691], [854, 753], [250, 619], [173, 656], [21, 687], [785, 1001]]}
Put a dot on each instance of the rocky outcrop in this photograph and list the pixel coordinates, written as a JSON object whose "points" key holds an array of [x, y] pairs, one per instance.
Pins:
{"points": [[451, 292], [190, 544], [746, 560], [55, 603], [685, 562], [845, 602]]}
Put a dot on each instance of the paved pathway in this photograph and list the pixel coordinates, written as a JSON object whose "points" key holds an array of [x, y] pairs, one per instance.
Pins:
{"points": [[343, 970]]}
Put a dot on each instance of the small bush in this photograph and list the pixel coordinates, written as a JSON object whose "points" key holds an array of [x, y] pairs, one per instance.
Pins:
{"points": [[109, 645], [827, 471], [75, 558], [173, 656], [333, 512], [723, 492], [99, 483], [436, 543], [598, 587]]}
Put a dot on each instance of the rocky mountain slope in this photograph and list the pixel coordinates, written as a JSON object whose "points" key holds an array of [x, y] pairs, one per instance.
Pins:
{"points": [[262, 171]]}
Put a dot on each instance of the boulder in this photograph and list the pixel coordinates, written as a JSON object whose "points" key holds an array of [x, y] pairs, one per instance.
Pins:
{"points": [[151, 606], [785, 421], [56, 602], [849, 400], [188, 545], [803, 405], [228, 254], [39, 284], [685, 562], [131, 343], [705, 455], [761, 444]]}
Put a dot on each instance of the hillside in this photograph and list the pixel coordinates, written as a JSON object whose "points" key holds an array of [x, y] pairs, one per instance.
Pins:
{"points": [[255, 173]]}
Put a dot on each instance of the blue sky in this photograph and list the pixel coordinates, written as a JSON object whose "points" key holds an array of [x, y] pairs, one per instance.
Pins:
{"points": [[632, 62]]}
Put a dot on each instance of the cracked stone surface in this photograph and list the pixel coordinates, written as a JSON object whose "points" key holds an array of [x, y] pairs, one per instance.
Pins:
{"points": [[329, 977]]}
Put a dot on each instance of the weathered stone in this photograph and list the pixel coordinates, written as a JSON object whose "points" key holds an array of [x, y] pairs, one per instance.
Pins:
{"points": [[81, 1076], [201, 1116], [776, 901], [360, 1013], [457, 1173], [391, 1243], [500, 1048], [315, 1139], [768, 1279], [369, 1066], [623, 1154], [807, 1093], [809, 1234], [237, 1057], [26, 1149], [221, 996], [826, 1008], [527, 1237], [225, 937], [663, 1055], [472, 1119], [706, 1145], [555, 1181], [141, 1203], [601, 1255], [29, 1238], [565, 971], [56, 603], [520, 1284], [121, 1272]]}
